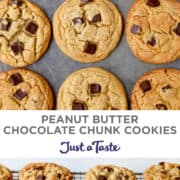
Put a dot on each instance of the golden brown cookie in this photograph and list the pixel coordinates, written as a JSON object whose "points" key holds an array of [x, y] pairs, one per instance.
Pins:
{"points": [[153, 30], [110, 172], [86, 30], [44, 171], [24, 32], [24, 90], [163, 171], [92, 89], [157, 90], [5, 173]]}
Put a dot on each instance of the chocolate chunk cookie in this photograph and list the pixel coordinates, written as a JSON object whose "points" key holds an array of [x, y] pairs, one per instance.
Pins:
{"points": [[24, 90], [92, 89], [5, 173], [157, 90], [163, 171], [153, 30], [44, 171], [110, 172], [24, 32], [87, 31]]}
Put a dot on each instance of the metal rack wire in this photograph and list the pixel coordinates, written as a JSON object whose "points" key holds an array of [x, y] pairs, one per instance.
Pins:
{"points": [[77, 175]]}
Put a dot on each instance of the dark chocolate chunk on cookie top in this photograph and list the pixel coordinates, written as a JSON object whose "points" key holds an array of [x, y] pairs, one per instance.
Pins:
{"points": [[16, 2], [40, 168], [17, 47], [78, 20], [90, 48], [15, 79], [166, 88], [20, 94], [40, 177], [145, 86], [96, 18], [95, 88], [152, 41], [153, 3], [31, 27], [161, 107], [101, 177], [136, 29], [5, 24], [177, 29], [78, 106]]}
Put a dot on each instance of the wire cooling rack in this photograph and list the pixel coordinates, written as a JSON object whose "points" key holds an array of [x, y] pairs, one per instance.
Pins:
{"points": [[77, 175]]}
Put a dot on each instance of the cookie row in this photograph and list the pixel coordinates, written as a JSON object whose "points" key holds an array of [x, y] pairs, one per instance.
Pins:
{"points": [[51, 171], [90, 89], [89, 30]]}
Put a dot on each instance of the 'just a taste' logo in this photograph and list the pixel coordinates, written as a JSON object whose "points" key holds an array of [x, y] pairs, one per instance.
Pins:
{"points": [[97, 147]]}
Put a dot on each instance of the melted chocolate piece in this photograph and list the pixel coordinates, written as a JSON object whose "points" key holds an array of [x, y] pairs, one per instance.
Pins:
{"points": [[177, 29], [161, 106], [78, 20], [19, 94], [90, 48], [16, 2], [5, 24], [15, 79], [40, 168], [59, 175], [41, 177], [78, 106], [161, 163], [153, 3], [152, 42], [101, 177], [95, 88], [31, 27], [145, 86], [17, 47], [96, 18], [85, 1], [114, 109], [166, 88], [177, 178], [136, 29], [109, 169]]}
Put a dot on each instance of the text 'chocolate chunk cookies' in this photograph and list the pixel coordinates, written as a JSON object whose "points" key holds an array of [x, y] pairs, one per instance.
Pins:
{"points": [[110, 172], [87, 30], [45, 171], [5, 173], [157, 90], [153, 30], [25, 32], [22, 89], [92, 89]]}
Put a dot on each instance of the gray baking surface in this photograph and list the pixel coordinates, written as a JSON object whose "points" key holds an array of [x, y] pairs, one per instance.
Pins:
{"points": [[55, 66]]}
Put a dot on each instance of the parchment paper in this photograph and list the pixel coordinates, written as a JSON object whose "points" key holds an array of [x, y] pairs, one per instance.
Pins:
{"points": [[55, 66]]}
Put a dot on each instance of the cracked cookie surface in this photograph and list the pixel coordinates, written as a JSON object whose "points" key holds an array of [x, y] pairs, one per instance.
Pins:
{"points": [[157, 90], [109, 172], [24, 32], [22, 89], [163, 171], [153, 30], [5, 173], [44, 171], [92, 89], [87, 31]]}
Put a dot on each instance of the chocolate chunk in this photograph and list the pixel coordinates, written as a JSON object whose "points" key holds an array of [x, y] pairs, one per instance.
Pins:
{"points": [[177, 178], [5, 24], [153, 3], [78, 106], [59, 175], [78, 20], [41, 177], [85, 1], [114, 109], [96, 18], [152, 42], [177, 29], [17, 47], [90, 48], [15, 79], [161, 163], [40, 168], [109, 169], [19, 94], [31, 27], [95, 88], [161, 106], [166, 88], [145, 86], [101, 177], [16, 2], [136, 29]]}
